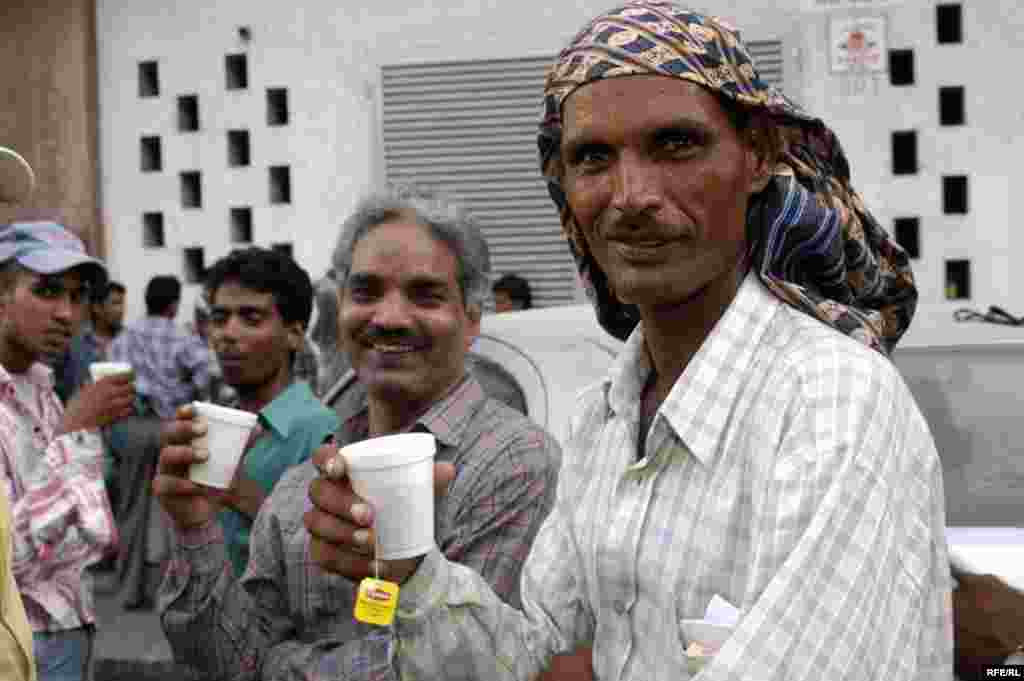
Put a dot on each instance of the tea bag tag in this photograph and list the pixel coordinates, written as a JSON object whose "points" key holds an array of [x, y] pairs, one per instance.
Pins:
{"points": [[376, 602]]}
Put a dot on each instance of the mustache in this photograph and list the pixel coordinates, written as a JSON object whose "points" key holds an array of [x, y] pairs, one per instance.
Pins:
{"points": [[638, 226], [391, 334]]}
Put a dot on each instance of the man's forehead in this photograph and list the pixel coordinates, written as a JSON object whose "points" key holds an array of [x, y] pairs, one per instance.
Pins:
{"points": [[233, 294], [405, 277]]}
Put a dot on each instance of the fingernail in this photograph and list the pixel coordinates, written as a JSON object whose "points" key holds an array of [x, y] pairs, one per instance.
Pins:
{"points": [[361, 513], [361, 537], [201, 454]]}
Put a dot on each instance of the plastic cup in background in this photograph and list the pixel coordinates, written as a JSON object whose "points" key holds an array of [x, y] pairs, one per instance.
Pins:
{"points": [[100, 370], [395, 473], [227, 431]]}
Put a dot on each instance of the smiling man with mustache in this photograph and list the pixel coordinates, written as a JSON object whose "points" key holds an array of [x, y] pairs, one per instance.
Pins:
{"points": [[412, 271], [751, 441], [51, 458]]}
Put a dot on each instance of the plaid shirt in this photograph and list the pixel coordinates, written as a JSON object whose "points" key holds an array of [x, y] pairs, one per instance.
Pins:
{"points": [[287, 619], [61, 517], [789, 471], [172, 366]]}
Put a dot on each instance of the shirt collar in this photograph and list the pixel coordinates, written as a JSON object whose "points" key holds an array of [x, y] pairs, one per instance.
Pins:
{"points": [[445, 419], [699, 405], [287, 408], [38, 374]]}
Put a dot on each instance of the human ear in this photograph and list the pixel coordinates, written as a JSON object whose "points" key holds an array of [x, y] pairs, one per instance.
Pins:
{"points": [[295, 334]]}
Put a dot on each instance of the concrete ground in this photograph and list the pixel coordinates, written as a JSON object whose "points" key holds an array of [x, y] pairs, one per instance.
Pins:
{"points": [[130, 645]]}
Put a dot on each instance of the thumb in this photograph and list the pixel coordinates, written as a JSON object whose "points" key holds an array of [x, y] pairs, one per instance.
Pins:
{"points": [[444, 473]]}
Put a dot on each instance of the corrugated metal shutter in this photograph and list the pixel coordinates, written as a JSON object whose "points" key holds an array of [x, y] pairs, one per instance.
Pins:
{"points": [[767, 55], [469, 130]]}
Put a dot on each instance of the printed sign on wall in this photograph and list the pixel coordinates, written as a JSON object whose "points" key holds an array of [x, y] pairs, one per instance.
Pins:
{"points": [[857, 43]]}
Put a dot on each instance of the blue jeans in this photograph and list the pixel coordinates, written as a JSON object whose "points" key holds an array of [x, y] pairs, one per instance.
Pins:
{"points": [[63, 655]]}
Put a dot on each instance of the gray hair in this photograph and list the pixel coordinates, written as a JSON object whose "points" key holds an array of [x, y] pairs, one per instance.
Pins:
{"points": [[447, 221]]}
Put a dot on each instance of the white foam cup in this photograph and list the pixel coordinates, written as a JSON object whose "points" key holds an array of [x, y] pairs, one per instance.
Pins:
{"points": [[227, 431], [100, 370], [395, 473]]}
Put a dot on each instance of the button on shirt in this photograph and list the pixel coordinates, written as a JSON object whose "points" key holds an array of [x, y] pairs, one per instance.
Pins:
{"points": [[788, 471], [172, 366], [288, 619], [295, 423], [61, 519]]}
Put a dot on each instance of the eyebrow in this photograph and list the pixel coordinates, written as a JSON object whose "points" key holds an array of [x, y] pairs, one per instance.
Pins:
{"points": [[571, 143], [241, 309], [416, 281]]}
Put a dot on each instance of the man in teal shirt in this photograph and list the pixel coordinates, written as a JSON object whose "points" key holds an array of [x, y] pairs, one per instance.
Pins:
{"points": [[260, 303]]}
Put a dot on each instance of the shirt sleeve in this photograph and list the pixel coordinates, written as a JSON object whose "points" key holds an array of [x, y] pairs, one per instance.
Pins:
{"points": [[245, 631], [452, 623], [861, 588], [62, 517]]}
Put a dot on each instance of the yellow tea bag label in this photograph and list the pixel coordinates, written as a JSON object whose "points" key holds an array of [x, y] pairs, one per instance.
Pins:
{"points": [[376, 602]]}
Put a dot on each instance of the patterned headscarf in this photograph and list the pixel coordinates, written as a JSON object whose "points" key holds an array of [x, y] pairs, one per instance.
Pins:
{"points": [[815, 245]]}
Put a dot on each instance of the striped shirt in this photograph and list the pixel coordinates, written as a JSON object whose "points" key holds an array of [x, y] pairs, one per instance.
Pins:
{"points": [[287, 619], [789, 472], [172, 366], [61, 519]]}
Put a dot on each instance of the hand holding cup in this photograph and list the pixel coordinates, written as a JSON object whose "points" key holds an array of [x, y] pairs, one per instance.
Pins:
{"points": [[347, 527], [108, 399], [188, 503]]}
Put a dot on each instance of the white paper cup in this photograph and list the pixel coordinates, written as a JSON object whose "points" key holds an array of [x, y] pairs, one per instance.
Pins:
{"points": [[227, 431], [395, 473], [100, 370]]}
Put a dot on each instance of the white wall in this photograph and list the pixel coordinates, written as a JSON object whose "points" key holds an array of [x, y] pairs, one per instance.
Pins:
{"points": [[328, 55]]}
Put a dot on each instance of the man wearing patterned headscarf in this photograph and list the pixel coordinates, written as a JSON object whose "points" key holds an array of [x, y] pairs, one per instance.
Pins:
{"points": [[751, 442]]}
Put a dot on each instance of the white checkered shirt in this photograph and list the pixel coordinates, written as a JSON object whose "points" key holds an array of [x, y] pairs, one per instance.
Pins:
{"points": [[789, 471]]}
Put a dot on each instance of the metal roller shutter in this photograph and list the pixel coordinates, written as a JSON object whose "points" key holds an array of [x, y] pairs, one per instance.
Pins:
{"points": [[469, 129]]}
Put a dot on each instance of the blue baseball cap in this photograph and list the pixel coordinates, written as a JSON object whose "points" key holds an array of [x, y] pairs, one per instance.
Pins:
{"points": [[48, 248]]}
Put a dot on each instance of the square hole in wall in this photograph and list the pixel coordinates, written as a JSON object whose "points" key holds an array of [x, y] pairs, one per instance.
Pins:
{"points": [[194, 265], [238, 148], [280, 184], [908, 235], [954, 194], [153, 230], [152, 158], [949, 23], [951, 105], [901, 67], [188, 113], [149, 79], [277, 106], [283, 247], [904, 152], [241, 225], [958, 279], [236, 68], [191, 189]]}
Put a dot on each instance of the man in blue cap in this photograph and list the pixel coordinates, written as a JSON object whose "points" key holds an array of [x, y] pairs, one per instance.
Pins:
{"points": [[51, 458]]}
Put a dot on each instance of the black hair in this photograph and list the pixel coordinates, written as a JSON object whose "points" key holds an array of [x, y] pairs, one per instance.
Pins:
{"points": [[517, 288], [103, 293], [162, 291], [266, 271]]}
